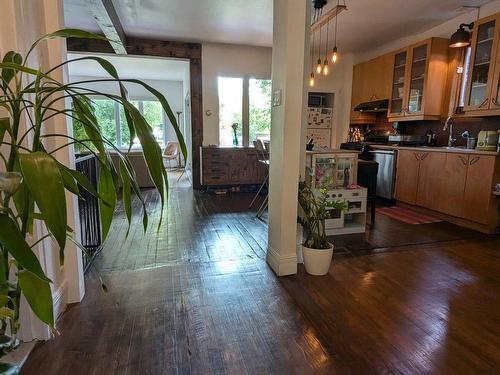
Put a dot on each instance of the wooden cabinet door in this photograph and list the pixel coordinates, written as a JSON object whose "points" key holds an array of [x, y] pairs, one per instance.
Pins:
{"points": [[407, 176], [484, 50], [478, 188], [418, 66], [361, 80], [454, 176], [495, 84], [430, 179], [381, 71], [398, 100]]}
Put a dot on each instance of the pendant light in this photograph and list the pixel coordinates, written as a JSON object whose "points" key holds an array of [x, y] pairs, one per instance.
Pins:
{"points": [[319, 66], [335, 51], [325, 63]]}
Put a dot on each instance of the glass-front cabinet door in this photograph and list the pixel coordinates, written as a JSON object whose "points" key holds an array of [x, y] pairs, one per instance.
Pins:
{"points": [[484, 48], [418, 69], [495, 87], [398, 102]]}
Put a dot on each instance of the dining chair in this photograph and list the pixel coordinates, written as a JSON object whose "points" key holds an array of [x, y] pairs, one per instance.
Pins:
{"points": [[263, 158]]}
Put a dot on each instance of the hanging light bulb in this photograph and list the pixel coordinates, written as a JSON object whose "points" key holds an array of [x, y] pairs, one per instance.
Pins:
{"points": [[335, 52], [311, 80], [325, 67], [319, 67], [335, 55]]}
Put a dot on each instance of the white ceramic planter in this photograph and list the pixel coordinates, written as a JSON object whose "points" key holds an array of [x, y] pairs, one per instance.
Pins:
{"points": [[317, 262]]}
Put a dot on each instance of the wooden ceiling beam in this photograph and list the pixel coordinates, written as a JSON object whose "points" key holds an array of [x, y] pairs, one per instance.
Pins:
{"points": [[106, 17]]}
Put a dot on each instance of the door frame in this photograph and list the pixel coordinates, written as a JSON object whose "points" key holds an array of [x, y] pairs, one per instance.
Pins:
{"points": [[165, 49]]}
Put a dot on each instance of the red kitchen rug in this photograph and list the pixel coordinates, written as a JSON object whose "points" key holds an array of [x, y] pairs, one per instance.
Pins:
{"points": [[407, 216]]}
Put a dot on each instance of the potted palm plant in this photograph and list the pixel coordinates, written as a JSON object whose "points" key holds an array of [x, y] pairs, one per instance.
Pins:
{"points": [[315, 208], [33, 183]]}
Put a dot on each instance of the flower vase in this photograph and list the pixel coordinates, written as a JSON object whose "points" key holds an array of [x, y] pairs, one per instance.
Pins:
{"points": [[235, 139]]}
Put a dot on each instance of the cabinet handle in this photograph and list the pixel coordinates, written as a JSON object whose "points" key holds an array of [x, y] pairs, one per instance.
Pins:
{"points": [[416, 156], [474, 160], [462, 159], [424, 156], [494, 101], [484, 103]]}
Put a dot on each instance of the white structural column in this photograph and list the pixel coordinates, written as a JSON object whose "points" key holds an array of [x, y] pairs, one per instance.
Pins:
{"points": [[289, 75]]}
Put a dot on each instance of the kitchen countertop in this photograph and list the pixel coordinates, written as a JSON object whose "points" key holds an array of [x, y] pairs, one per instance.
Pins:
{"points": [[457, 150]]}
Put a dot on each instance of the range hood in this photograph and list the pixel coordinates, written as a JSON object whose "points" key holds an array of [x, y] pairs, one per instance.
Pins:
{"points": [[373, 107]]}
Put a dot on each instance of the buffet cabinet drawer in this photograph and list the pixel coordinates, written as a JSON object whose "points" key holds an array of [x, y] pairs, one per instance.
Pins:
{"points": [[231, 166]]}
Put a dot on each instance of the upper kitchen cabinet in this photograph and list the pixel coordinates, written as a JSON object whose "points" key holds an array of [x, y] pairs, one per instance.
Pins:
{"points": [[419, 74], [483, 94], [371, 82]]}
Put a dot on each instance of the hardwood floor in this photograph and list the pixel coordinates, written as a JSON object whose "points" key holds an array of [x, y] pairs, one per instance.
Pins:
{"points": [[197, 297]]}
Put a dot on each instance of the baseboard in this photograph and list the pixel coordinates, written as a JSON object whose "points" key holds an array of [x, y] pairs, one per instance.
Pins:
{"points": [[59, 298], [483, 228], [281, 265]]}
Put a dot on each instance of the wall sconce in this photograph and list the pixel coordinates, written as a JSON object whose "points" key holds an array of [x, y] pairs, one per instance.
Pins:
{"points": [[461, 37]]}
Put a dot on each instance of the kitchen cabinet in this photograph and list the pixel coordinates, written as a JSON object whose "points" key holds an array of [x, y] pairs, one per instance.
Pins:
{"points": [[408, 165], [456, 184], [419, 76], [430, 178], [484, 74], [478, 188], [454, 176], [419, 178], [371, 81]]}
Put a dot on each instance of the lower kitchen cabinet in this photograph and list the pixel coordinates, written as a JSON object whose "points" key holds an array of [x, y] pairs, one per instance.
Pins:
{"points": [[455, 184], [478, 188], [408, 165], [454, 175], [430, 189]]}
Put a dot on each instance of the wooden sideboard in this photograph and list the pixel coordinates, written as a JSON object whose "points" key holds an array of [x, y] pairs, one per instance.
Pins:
{"points": [[231, 166]]}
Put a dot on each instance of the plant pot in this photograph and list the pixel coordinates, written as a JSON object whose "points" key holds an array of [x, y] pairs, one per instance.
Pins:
{"points": [[317, 261]]}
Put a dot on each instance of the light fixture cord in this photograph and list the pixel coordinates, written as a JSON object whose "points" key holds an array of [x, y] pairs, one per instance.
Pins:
{"points": [[336, 22], [327, 38], [319, 45], [312, 52]]}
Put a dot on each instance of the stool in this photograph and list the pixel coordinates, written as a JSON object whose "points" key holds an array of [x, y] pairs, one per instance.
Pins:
{"points": [[367, 177]]}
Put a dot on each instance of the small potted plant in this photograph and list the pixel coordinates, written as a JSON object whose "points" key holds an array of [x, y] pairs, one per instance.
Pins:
{"points": [[315, 208], [235, 135]]}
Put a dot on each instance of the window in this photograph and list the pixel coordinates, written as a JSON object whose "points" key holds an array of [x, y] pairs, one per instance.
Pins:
{"points": [[111, 119], [230, 110], [465, 76], [247, 102], [259, 94]]}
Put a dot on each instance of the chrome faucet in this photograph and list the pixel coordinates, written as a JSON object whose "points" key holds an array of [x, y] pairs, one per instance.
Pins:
{"points": [[448, 125]]}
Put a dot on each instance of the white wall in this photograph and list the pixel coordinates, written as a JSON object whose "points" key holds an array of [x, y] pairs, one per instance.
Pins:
{"points": [[338, 82], [172, 90], [229, 61]]}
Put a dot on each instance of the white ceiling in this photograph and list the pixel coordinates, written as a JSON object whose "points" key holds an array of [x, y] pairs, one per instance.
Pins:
{"points": [[366, 24], [222, 21], [131, 67]]}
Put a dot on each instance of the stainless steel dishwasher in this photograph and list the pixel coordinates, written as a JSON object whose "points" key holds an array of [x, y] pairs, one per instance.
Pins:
{"points": [[386, 160]]}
